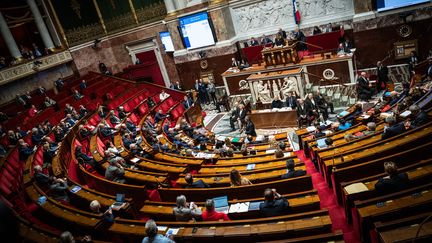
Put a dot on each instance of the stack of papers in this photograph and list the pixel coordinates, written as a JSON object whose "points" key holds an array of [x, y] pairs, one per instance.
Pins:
{"points": [[202, 155], [287, 154], [343, 113], [239, 207], [259, 138], [250, 167], [270, 151], [311, 128], [134, 160], [405, 114], [356, 188]]}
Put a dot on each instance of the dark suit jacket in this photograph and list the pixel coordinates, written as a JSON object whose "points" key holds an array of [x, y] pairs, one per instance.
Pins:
{"points": [[187, 104], [159, 117], [310, 106], [293, 173], [302, 110], [382, 74], [250, 129], [394, 131], [242, 114], [198, 184], [291, 102], [421, 119], [392, 184], [274, 208]]}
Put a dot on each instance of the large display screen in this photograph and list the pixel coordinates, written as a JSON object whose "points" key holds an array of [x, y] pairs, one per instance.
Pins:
{"points": [[196, 31], [166, 41], [384, 5]]}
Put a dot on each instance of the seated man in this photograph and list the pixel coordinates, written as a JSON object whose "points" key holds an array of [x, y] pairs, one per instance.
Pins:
{"points": [[43, 180], [59, 190], [370, 129], [302, 113], [420, 116], [151, 231], [184, 212], [77, 95], [291, 100], [211, 215], [36, 136], [194, 184], [291, 172], [115, 120], [276, 103], [122, 114], [393, 128], [394, 181], [108, 215], [115, 172], [274, 204], [24, 150], [159, 116], [106, 131]]}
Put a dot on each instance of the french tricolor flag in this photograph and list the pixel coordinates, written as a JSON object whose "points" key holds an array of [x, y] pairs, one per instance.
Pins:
{"points": [[296, 12]]}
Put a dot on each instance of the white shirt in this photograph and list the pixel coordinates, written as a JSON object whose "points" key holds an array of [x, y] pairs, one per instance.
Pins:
{"points": [[163, 96]]}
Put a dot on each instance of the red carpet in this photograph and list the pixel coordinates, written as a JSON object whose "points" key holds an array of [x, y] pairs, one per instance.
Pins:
{"points": [[328, 201]]}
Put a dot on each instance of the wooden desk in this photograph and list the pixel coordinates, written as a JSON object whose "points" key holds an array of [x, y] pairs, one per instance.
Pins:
{"points": [[274, 119], [164, 211], [282, 186]]}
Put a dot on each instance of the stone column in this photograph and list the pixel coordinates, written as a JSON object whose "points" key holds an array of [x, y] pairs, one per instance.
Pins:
{"points": [[40, 23], [180, 4], [8, 38], [169, 5], [222, 20]]}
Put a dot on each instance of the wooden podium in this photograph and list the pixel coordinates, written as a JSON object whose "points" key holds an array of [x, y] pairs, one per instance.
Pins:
{"points": [[280, 55]]}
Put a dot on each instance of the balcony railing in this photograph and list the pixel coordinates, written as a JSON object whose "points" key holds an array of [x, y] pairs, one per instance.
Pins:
{"points": [[29, 68]]}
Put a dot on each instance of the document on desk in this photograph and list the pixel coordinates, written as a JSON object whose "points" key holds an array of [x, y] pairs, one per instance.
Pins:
{"points": [[250, 166], [134, 160], [287, 154], [239, 207], [311, 128], [173, 231], [356, 188], [270, 151]]}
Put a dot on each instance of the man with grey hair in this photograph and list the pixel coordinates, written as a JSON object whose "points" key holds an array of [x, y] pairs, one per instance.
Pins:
{"points": [[185, 211], [393, 129], [115, 172], [370, 129], [151, 231], [420, 117]]}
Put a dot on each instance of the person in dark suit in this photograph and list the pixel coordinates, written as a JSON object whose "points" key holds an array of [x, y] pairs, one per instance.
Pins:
{"points": [[234, 115], [150, 102], [106, 131], [323, 105], [316, 30], [363, 87], [235, 63], [250, 127], [382, 75], [276, 103], [265, 40], [274, 204], [279, 40], [347, 45], [312, 106], [241, 114], [301, 38], [291, 172], [253, 42], [194, 184], [291, 101], [393, 128], [302, 113], [394, 181], [159, 116], [187, 102], [282, 33], [420, 116]]}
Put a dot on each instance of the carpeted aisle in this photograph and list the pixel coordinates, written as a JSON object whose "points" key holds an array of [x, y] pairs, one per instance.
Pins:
{"points": [[328, 201]]}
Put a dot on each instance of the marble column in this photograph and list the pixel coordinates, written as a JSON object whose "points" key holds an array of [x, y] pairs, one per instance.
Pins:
{"points": [[170, 7], [362, 6], [180, 4], [8, 38], [40, 23], [175, 35], [222, 20]]}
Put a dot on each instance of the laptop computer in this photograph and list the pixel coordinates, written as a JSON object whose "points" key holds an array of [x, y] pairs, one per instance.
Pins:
{"points": [[221, 204], [321, 143], [120, 201]]}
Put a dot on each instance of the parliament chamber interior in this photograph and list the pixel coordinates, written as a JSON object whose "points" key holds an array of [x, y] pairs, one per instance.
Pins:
{"points": [[215, 121]]}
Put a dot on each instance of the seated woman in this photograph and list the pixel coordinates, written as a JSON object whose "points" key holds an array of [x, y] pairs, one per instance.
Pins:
{"points": [[184, 211], [394, 181], [211, 215], [237, 179]]}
